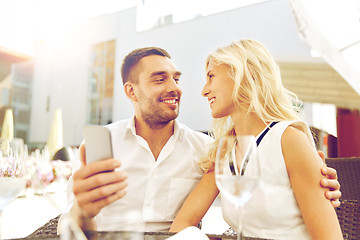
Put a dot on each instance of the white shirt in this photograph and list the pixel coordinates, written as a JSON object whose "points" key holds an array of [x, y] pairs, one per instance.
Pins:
{"points": [[272, 212], [157, 188]]}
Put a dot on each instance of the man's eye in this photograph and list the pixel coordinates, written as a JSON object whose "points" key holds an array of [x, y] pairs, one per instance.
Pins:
{"points": [[160, 80], [177, 79]]}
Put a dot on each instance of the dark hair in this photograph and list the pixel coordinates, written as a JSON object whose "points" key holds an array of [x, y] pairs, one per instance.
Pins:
{"points": [[135, 56]]}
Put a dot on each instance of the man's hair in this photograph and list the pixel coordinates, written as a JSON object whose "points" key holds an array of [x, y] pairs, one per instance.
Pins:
{"points": [[135, 56]]}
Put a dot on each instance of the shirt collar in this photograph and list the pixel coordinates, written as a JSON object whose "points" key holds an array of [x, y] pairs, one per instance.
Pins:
{"points": [[131, 126], [178, 129]]}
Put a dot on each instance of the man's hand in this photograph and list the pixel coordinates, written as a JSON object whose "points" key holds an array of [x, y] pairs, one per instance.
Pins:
{"points": [[95, 186], [331, 183]]}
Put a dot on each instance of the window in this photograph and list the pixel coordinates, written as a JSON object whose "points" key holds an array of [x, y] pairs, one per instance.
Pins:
{"points": [[101, 83]]}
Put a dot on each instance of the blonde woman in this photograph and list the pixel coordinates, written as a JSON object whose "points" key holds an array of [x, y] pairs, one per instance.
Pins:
{"points": [[246, 97]]}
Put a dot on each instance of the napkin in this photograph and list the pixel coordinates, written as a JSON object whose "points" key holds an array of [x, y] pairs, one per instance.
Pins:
{"points": [[189, 233], [10, 187]]}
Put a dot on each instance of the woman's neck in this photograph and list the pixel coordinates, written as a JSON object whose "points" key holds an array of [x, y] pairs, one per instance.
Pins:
{"points": [[247, 123]]}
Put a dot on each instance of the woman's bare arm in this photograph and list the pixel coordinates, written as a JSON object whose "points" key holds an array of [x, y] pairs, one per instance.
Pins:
{"points": [[197, 203], [303, 165]]}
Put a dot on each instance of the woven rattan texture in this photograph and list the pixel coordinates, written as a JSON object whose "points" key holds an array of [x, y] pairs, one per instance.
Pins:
{"points": [[348, 170], [349, 218], [49, 230], [348, 215]]}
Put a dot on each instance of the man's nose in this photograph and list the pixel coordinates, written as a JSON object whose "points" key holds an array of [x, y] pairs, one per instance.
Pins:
{"points": [[173, 86]]}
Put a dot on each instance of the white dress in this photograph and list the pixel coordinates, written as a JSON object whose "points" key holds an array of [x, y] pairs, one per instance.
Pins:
{"points": [[272, 212]]}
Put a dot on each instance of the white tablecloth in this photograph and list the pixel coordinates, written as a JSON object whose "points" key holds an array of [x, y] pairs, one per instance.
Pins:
{"points": [[27, 213]]}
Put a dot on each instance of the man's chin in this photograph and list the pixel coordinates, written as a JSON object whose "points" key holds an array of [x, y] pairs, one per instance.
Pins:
{"points": [[171, 115], [176, 114], [171, 118]]}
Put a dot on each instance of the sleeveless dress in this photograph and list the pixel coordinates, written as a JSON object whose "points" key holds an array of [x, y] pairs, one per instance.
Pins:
{"points": [[272, 212]]}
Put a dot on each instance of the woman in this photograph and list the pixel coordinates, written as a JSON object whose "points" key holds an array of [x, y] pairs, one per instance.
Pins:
{"points": [[244, 87]]}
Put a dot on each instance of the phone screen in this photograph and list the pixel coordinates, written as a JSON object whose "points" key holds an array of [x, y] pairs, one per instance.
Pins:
{"points": [[98, 144]]}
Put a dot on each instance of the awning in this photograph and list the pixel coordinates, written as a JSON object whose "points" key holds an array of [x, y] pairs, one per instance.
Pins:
{"points": [[332, 28], [318, 82]]}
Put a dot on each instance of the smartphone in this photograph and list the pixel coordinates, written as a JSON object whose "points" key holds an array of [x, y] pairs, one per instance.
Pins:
{"points": [[98, 144]]}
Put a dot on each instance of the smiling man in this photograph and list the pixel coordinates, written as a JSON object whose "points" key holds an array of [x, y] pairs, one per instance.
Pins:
{"points": [[155, 157], [158, 155], [153, 87]]}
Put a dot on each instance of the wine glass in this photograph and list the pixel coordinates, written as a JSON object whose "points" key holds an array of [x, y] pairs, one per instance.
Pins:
{"points": [[237, 171], [12, 171]]}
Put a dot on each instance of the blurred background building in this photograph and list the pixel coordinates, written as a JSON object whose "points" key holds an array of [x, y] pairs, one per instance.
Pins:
{"points": [[16, 73]]}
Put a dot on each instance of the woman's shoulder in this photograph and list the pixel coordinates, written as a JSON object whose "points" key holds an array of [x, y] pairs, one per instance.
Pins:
{"points": [[288, 129], [297, 131], [293, 135], [297, 148]]}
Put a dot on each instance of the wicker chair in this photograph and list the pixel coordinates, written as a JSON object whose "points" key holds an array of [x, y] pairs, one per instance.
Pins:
{"points": [[348, 170], [49, 230], [349, 218], [348, 214]]}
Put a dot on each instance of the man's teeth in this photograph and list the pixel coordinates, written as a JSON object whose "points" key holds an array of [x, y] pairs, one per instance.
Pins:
{"points": [[212, 100], [173, 101]]}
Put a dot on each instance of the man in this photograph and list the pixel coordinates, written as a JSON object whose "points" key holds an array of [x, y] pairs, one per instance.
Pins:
{"points": [[157, 157]]}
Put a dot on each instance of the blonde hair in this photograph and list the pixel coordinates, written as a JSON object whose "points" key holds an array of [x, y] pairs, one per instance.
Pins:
{"points": [[257, 84]]}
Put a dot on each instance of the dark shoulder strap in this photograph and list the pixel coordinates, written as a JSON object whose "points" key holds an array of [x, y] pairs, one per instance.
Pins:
{"points": [[264, 133], [246, 160]]}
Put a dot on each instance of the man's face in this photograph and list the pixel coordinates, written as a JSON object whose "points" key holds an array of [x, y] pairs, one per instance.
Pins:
{"points": [[157, 90]]}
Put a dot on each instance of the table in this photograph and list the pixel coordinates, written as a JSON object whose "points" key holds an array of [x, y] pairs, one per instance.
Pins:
{"points": [[28, 212], [147, 236], [48, 231]]}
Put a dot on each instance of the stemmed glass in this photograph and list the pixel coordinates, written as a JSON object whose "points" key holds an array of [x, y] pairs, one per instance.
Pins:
{"points": [[237, 171], [12, 171]]}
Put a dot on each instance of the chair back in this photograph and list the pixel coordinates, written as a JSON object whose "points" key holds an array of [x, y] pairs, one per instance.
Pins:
{"points": [[348, 171], [349, 218]]}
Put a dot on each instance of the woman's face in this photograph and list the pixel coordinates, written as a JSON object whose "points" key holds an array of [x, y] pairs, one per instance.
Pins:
{"points": [[218, 89]]}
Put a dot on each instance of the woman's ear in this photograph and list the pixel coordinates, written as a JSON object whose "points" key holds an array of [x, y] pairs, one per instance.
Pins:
{"points": [[130, 91]]}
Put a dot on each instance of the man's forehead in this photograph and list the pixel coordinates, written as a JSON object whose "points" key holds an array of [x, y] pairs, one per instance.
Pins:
{"points": [[155, 63]]}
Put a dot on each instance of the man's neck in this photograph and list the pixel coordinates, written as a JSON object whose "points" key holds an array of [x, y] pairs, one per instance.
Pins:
{"points": [[156, 136]]}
